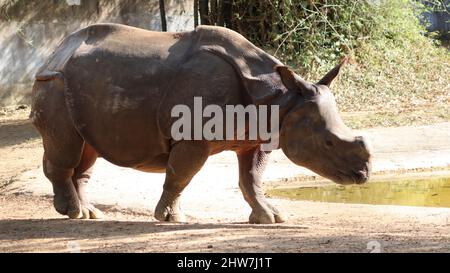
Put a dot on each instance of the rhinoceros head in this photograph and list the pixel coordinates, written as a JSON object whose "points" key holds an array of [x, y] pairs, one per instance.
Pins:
{"points": [[314, 136]]}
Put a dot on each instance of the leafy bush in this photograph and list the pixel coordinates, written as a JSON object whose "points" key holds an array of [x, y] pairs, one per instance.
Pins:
{"points": [[309, 34], [393, 64]]}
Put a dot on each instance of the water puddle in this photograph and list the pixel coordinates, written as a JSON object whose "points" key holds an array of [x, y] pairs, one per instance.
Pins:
{"points": [[427, 192]]}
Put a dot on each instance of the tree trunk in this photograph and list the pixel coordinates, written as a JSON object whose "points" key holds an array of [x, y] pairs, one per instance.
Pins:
{"points": [[220, 9], [203, 7], [195, 13], [227, 12], [162, 13], [213, 12]]}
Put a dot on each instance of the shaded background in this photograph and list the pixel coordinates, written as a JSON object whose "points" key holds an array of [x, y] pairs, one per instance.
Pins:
{"points": [[30, 30]]}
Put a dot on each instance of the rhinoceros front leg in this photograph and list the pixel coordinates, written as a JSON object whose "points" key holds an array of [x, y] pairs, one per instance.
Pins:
{"points": [[185, 160], [251, 167]]}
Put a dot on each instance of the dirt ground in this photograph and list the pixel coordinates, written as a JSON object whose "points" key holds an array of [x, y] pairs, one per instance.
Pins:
{"points": [[216, 211]]}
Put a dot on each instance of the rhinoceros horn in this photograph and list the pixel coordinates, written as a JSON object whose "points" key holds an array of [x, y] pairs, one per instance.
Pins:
{"points": [[329, 77], [293, 81]]}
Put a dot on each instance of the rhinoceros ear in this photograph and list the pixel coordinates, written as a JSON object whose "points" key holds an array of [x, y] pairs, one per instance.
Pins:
{"points": [[330, 76], [294, 82]]}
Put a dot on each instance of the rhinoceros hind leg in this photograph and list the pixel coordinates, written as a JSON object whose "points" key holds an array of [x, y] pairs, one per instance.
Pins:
{"points": [[62, 143], [80, 180], [251, 166], [65, 198], [179, 173]]}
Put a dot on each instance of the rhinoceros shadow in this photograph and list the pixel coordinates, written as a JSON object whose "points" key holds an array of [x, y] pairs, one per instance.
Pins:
{"points": [[17, 229], [55, 235], [62, 235]]}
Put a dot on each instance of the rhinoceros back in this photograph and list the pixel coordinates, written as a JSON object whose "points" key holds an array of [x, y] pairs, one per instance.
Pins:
{"points": [[114, 80]]}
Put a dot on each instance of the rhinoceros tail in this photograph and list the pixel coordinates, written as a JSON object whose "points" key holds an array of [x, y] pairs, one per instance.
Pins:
{"points": [[56, 62], [47, 75]]}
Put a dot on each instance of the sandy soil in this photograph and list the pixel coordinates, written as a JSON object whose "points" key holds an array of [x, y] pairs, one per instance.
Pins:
{"points": [[216, 211]]}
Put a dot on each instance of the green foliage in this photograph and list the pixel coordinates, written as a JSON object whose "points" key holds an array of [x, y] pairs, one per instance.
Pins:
{"points": [[309, 34], [397, 67], [393, 64]]}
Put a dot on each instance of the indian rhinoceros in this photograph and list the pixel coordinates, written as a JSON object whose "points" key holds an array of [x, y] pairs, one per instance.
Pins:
{"points": [[108, 89]]}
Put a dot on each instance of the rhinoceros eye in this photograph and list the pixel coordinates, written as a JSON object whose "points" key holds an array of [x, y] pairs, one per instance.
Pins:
{"points": [[329, 143]]}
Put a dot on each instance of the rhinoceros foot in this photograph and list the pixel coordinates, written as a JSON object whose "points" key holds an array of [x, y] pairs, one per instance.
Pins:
{"points": [[169, 213], [170, 217], [71, 206], [267, 216], [88, 211], [66, 204]]}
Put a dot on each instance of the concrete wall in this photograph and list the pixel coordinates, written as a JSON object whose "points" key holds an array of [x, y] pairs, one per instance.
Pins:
{"points": [[30, 30]]}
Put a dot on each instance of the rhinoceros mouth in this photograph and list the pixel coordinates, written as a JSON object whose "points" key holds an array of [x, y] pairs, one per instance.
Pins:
{"points": [[351, 177], [360, 177]]}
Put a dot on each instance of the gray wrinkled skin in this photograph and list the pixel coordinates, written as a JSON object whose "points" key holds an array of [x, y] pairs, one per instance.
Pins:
{"points": [[108, 89]]}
